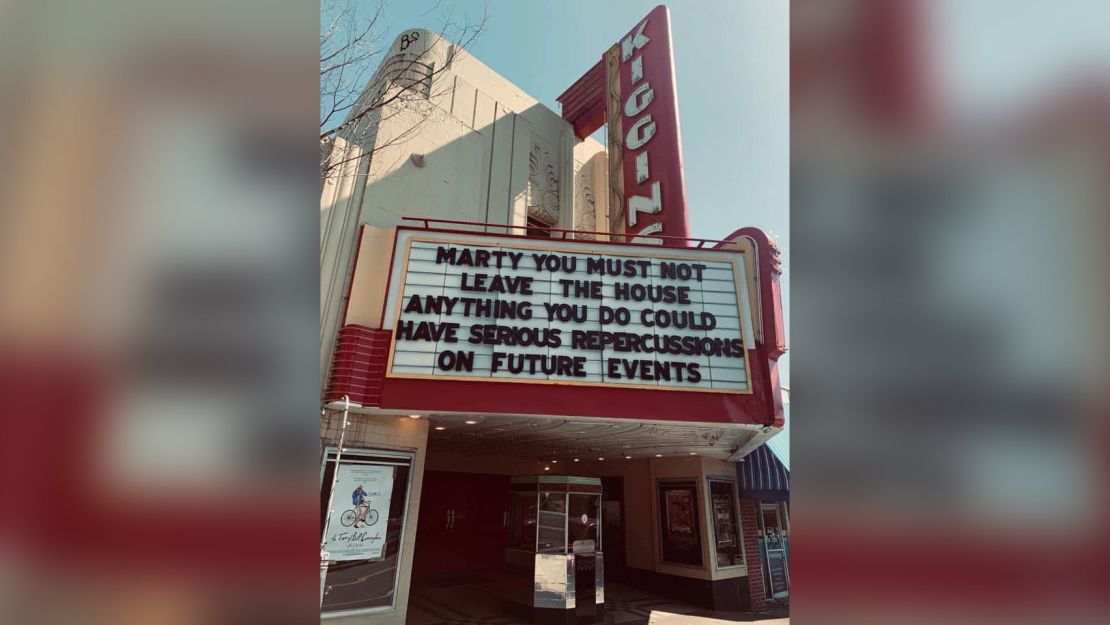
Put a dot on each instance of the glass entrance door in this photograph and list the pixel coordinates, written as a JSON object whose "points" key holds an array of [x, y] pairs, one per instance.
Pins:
{"points": [[774, 550]]}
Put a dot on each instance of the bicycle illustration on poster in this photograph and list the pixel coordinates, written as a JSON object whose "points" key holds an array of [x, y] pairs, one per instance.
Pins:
{"points": [[362, 497]]}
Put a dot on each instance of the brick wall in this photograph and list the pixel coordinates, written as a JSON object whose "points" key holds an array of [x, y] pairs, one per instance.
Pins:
{"points": [[750, 529]]}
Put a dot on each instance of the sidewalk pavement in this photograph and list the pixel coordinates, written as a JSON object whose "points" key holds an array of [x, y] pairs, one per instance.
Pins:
{"points": [[664, 618]]}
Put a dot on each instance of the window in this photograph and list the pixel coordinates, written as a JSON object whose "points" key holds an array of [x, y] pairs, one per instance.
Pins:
{"points": [[537, 228], [726, 529], [363, 533], [582, 522], [770, 525], [553, 523]]}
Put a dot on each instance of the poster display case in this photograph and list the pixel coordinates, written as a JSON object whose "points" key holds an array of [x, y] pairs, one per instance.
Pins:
{"points": [[726, 526], [555, 548], [680, 538], [363, 531]]}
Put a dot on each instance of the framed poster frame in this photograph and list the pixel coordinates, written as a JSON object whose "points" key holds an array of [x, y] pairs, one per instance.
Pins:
{"points": [[387, 457], [680, 539], [734, 511]]}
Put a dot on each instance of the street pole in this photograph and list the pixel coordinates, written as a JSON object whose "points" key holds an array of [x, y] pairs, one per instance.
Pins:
{"points": [[324, 555]]}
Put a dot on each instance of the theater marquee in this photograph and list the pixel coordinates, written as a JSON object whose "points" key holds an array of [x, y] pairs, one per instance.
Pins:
{"points": [[487, 308]]}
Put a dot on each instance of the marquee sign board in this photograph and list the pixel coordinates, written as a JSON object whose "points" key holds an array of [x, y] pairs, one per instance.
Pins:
{"points": [[634, 84], [505, 309]]}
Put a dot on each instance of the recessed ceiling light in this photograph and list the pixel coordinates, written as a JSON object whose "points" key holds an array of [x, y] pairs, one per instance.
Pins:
{"points": [[693, 453], [547, 468], [554, 462], [576, 459], [440, 428], [628, 457], [600, 458], [658, 455], [470, 422], [414, 416]]}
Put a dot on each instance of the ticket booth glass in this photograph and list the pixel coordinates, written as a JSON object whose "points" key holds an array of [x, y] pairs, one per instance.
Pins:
{"points": [[554, 547], [552, 523], [582, 522]]}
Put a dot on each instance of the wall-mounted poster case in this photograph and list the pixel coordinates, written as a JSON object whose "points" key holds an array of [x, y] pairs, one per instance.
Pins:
{"points": [[678, 515]]}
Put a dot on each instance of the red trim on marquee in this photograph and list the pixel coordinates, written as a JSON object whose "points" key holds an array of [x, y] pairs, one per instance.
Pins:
{"points": [[769, 267], [358, 367], [768, 270], [583, 103]]}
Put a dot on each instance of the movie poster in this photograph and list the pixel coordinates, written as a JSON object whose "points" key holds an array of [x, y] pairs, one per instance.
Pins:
{"points": [[723, 518], [678, 523], [360, 512], [680, 514]]}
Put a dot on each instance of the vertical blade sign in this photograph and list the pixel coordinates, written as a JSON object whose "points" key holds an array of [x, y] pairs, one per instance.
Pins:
{"points": [[647, 190]]}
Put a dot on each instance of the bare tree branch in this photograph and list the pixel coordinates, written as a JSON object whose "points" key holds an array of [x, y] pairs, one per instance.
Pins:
{"points": [[351, 44]]}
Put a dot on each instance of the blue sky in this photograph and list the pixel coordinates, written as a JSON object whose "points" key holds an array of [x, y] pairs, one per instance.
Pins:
{"points": [[990, 54], [731, 65]]}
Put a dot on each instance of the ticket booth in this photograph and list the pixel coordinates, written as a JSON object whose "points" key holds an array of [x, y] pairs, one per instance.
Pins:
{"points": [[554, 555]]}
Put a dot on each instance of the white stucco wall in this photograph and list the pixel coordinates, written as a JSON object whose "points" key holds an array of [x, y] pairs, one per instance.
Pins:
{"points": [[485, 151]]}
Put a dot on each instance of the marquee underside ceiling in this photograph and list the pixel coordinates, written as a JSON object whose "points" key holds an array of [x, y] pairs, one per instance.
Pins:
{"points": [[551, 437]]}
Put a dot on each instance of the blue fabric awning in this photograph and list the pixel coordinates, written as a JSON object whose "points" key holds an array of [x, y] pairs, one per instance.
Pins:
{"points": [[779, 444], [763, 476]]}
